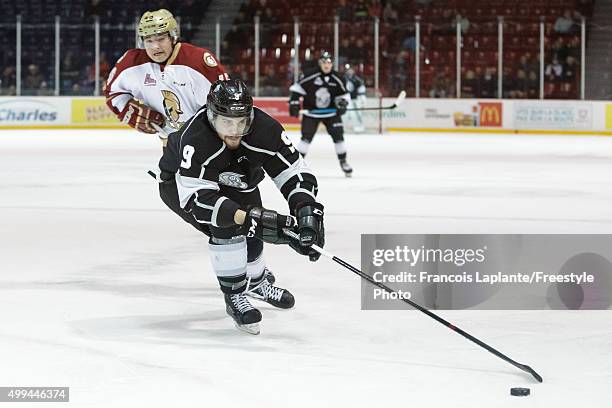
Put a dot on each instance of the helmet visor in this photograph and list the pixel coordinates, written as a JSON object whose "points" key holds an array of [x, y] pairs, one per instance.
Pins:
{"points": [[230, 126]]}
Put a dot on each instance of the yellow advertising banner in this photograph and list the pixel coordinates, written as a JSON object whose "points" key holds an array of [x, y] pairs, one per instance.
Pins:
{"points": [[609, 116], [93, 112]]}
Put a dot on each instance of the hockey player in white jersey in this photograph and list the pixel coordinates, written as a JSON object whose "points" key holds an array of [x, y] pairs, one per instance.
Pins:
{"points": [[356, 87], [164, 82]]}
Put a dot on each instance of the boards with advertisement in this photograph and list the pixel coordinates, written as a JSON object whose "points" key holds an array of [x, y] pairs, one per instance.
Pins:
{"points": [[553, 115], [34, 111], [93, 112], [445, 114]]}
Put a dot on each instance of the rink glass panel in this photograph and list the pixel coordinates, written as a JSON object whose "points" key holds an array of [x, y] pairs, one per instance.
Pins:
{"points": [[7, 59], [37, 58]]}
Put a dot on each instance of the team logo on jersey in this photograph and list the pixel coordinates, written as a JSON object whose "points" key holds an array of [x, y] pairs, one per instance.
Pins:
{"points": [[172, 107], [230, 179], [318, 81], [210, 60], [148, 81], [323, 98]]}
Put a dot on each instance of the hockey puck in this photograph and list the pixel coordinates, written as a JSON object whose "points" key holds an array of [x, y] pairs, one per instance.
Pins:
{"points": [[520, 392]]}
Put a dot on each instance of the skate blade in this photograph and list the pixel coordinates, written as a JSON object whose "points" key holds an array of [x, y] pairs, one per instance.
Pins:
{"points": [[252, 328], [348, 175]]}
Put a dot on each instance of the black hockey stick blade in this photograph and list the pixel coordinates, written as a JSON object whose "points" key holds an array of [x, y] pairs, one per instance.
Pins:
{"points": [[531, 371]]}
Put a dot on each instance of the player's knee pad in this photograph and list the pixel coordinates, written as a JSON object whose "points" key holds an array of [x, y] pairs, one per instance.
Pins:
{"points": [[229, 261]]}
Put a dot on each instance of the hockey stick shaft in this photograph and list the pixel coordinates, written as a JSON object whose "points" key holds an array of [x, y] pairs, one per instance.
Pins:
{"points": [[395, 104], [429, 313]]}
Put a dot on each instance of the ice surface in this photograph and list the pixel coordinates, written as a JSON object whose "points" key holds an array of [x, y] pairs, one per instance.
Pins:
{"points": [[106, 291]]}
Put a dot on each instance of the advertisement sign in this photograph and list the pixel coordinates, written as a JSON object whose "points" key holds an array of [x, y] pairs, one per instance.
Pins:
{"points": [[34, 111], [609, 116], [278, 108], [553, 115], [92, 111]]}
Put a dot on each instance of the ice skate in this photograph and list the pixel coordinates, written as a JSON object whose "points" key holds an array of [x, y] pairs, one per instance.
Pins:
{"points": [[269, 276], [275, 296], [346, 168], [246, 317]]}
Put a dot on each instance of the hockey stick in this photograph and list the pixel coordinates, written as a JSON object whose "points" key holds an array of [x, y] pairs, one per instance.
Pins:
{"points": [[456, 329], [398, 101]]}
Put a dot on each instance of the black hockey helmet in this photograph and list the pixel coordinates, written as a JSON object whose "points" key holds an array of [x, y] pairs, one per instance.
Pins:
{"points": [[325, 57], [230, 107]]}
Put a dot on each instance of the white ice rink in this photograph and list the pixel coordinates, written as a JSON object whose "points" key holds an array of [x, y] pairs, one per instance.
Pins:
{"points": [[106, 291]]}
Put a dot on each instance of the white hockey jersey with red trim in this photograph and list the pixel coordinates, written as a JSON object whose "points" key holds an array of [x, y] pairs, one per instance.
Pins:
{"points": [[176, 89]]}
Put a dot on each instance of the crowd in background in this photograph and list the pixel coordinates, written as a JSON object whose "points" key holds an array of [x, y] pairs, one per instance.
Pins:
{"points": [[520, 74]]}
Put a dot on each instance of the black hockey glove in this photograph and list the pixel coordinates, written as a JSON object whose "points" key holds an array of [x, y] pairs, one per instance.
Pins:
{"points": [[267, 225], [310, 228], [294, 108], [341, 105]]}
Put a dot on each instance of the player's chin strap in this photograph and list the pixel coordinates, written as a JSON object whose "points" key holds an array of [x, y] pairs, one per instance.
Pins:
{"points": [[465, 334]]}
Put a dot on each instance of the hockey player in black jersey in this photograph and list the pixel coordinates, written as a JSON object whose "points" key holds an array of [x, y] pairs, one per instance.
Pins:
{"points": [[210, 170], [322, 91]]}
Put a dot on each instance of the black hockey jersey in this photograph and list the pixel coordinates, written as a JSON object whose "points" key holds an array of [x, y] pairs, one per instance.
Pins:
{"points": [[319, 91], [204, 166]]}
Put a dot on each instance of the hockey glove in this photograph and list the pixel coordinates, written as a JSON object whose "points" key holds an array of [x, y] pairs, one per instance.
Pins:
{"points": [[294, 108], [341, 105], [140, 117], [267, 225], [310, 228]]}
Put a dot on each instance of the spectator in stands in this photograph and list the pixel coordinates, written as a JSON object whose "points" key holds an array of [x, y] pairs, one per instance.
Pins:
{"points": [[409, 43], [361, 10], [8, 81], [390, 14], [344, 11], [423, 3], [470, 85], [441, 87], [533, 86], [573, 47], [399, 73], [449, 22], [69, 72], [359, 53], [488, 84], [464, 23], [524, 64], [34, 79], [375, 9], [268, 27], [521, 85], [271, 83], [346, 51], [97, 8], [564, 23], [508, 83], [570, 70], [554, 70], [560, 50]]}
